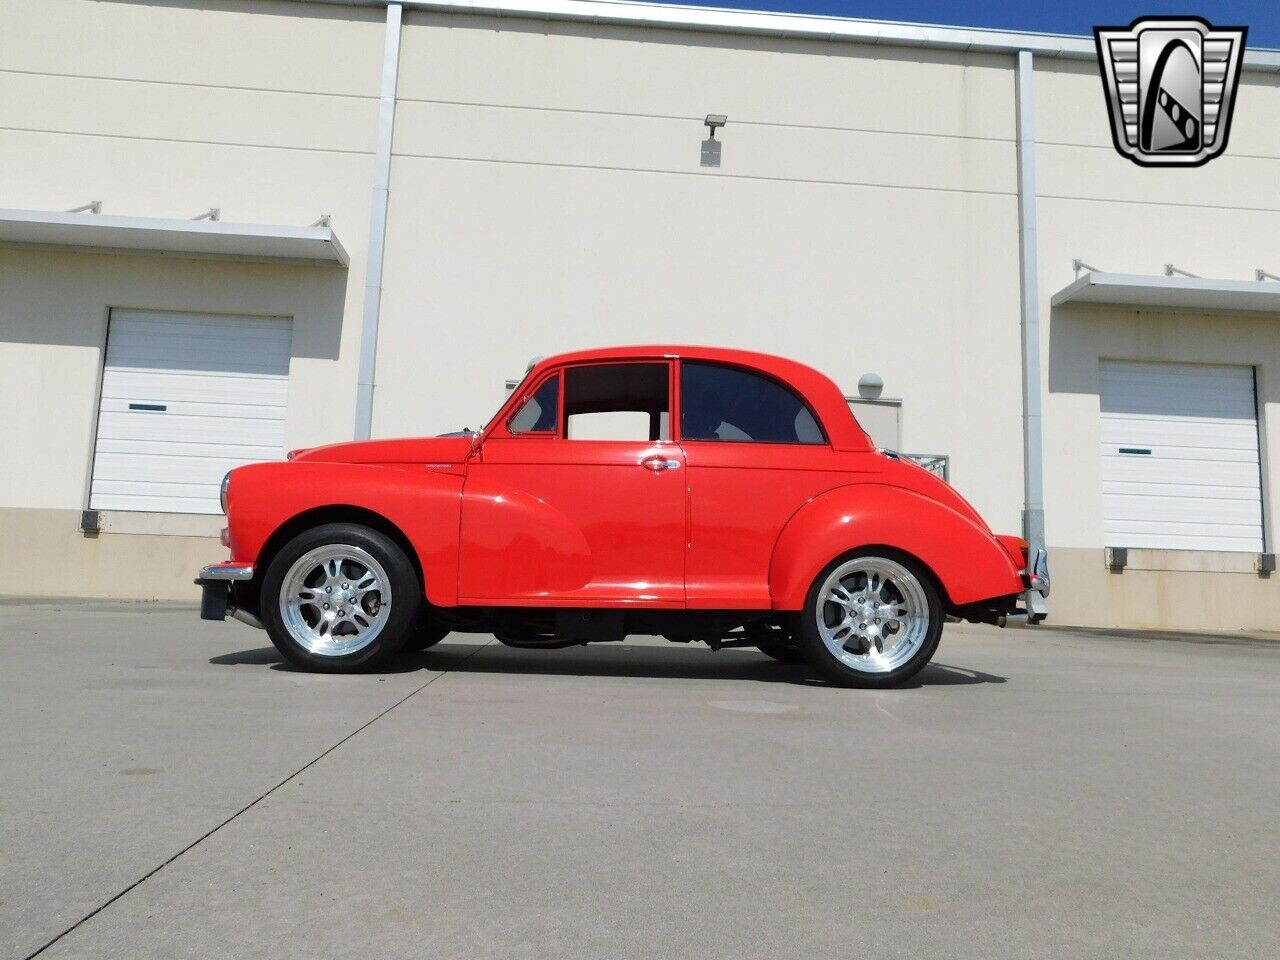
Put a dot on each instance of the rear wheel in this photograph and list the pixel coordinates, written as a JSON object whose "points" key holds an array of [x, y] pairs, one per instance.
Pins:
{"points": [[339, 597], [871, 619]]}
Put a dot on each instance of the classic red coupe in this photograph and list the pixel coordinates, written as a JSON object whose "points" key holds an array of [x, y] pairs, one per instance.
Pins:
{"points": [[694, 493]]}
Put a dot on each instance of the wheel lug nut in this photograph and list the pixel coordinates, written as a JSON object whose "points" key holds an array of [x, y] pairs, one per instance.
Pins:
{"points": [[326, 606], [328, 589]]}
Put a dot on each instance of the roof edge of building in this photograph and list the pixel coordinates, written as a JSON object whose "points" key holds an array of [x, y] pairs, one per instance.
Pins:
{"points": [[788, 25]]}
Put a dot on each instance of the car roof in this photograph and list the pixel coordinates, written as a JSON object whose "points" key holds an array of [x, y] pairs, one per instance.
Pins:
{"points": [[819, 390]]}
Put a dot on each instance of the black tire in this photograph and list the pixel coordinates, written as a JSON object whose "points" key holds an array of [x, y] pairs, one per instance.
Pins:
{"points": [[400, 618], [428, 633], [824, 661]]}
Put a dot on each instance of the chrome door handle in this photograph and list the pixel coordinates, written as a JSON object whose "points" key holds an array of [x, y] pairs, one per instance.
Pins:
{"points": [[657, 464]]}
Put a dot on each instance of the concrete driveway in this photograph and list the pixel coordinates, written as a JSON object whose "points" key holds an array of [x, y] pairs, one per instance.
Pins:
{"points": [[168, 789]]}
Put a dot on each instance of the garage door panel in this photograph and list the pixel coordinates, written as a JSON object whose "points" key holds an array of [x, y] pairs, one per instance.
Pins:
{"points": [[233, 336], [201, 411], [150, 504], [164, 321], [259, 331], [1177, 389], [168, 427], [150, 340], [1207, 473], [1225, 511], [1199, 486], [163, 469], [190, 491], [1242, 491], [158, 362], [245, 452], [238, 388], [221, 384], [1180, 432], [1156, 537], [1172, 457]]}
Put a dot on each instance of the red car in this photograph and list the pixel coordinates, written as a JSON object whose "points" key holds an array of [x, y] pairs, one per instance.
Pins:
{"points": [[694, 493]]}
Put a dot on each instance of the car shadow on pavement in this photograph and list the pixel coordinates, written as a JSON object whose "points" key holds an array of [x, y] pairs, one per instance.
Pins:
{"points": [[613, 661]]}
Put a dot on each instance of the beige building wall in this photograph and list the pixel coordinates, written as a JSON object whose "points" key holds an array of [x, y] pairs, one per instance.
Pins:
{"points": [[547, 195], [267, 110], [1219, 221], [54, 307]]}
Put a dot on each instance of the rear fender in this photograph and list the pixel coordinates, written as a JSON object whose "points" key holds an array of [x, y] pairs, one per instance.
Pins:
{"points": [[423, 504], [968, 562]]}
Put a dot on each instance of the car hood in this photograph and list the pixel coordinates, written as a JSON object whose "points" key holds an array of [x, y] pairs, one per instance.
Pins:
{"points": [[440, 450]]}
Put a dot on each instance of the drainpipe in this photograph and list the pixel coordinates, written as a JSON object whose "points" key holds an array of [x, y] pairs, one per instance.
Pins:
{"points": [[378, 226], [1032, 446]]}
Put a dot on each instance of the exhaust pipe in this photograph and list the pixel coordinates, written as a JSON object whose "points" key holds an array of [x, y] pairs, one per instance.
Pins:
{"points": [[244, 616], [1016, 620]]}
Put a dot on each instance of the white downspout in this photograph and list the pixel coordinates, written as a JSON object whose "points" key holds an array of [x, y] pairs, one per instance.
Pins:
{"points": [[1032, 444], [378, 226]]}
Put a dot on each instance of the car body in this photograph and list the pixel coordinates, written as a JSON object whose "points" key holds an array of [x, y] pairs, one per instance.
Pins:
{"points": [[694, 492]]}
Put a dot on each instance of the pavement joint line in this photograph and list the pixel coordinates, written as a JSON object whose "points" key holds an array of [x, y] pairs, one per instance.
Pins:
{"points": [[249, 806]]}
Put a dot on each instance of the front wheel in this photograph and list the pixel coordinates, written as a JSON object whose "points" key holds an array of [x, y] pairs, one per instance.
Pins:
{"points": [[339, 597], [871, 619]]}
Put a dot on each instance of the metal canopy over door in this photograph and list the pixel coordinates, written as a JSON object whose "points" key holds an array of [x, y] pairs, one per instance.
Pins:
{"points": [[1180, 457], [186, 397]]}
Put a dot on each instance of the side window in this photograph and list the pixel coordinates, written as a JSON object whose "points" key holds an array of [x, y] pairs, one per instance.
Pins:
{"points": [[617, 401], [735, 405], [539, 412]]}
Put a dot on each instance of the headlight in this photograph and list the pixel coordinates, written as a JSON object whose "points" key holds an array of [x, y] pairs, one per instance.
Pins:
{"points": [[222, 492]]}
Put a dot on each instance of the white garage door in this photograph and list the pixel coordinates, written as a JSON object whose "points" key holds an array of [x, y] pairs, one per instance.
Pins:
{"points": [[1180, 457], [186, 397]]}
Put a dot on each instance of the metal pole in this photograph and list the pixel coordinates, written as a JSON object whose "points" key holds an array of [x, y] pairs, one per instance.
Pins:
{"points": [[1032, 445], [378, 226]]}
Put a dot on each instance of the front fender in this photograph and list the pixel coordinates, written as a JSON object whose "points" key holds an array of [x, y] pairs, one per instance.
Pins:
{"points": [[968, 561], [424, 504]]}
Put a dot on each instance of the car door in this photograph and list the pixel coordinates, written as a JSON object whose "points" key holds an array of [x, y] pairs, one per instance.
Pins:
{"points": [[755, 452], [578, 499]]}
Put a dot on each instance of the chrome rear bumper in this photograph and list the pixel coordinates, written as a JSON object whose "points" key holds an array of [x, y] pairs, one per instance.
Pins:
{"points": [[1035, 599]]}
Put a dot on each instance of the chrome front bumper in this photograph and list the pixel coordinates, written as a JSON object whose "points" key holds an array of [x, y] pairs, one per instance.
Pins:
{"points": [[216, 598]]}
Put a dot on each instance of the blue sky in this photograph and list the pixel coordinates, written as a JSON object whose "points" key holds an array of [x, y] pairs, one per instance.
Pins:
{"points": [[1262, 17]]}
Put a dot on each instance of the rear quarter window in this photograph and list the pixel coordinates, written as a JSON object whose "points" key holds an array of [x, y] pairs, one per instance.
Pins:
{"points": [[733, 405]]}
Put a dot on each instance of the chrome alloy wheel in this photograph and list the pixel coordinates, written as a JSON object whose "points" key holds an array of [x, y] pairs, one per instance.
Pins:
{"points": [[335, 600], [872, 614]]}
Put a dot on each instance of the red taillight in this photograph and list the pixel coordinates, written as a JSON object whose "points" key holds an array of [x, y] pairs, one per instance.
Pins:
{"points": [[1016, 548]]}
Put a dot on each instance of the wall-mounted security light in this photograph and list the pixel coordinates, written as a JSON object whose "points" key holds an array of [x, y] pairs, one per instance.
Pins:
{"points": [[711, 146], [870, 386]]}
